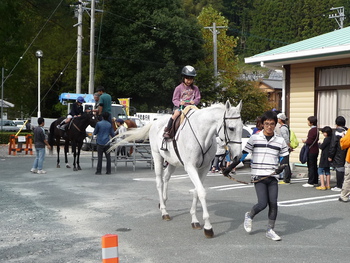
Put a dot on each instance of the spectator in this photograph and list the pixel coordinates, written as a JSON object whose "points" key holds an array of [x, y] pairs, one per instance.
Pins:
{"points": [[324, 172], [336, 154], [120, 130], [219, 155], [285, 134], [345, 192], [312, 143], [258, 125], [40, 141], [104, 131]]}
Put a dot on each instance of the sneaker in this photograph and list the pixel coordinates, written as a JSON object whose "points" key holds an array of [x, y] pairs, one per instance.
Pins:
{"points": [[41, 172], [321, 188], [271, 234], [328, 187], [308, 185], [282, 182], [34, 171], [342, 200], [336, 189], [247, 222]]}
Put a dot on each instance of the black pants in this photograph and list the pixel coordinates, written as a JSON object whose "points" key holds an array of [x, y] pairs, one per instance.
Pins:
{"points": [[287, 170], [312, 168], [340, 178], [100, 150], [267, 193]]}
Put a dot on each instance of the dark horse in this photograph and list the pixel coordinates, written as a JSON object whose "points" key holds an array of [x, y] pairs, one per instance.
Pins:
{"points": [[74, 134]]}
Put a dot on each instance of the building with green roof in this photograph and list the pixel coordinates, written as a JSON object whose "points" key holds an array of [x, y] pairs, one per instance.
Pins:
{"points": [[316, 79]]}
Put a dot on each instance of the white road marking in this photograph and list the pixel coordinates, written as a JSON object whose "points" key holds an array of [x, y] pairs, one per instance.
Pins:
{"points": [[309, 200]]}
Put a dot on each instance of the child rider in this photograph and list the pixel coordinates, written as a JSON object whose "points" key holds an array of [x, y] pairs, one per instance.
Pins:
{"points": [[185, 94]]}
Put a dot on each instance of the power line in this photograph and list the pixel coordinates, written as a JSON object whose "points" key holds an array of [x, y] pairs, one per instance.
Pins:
{"points": [[21, 57], [59, 76]]}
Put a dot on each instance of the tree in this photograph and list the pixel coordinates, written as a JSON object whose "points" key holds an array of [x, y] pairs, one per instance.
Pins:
{"points": [[277, 23], [28, 26], [230, 84], [144, 46]]}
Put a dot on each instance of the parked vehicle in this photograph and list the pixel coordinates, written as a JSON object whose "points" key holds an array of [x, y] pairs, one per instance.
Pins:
{"points": [[8, 125]]}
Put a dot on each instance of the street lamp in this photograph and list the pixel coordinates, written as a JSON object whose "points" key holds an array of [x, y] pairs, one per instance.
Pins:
{"points": [[39, 54]]}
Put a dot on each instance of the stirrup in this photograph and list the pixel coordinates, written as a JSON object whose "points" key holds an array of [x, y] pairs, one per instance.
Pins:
{"points": [[164, 146]]}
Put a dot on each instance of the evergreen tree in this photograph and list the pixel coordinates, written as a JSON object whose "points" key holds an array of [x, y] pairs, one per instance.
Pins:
{"points": [[143, 49]]}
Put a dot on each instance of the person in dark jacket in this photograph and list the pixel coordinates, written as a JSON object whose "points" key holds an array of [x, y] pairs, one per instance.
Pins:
{"points": [[324, 171], [336, 154], [76, 111], [312, 142]]}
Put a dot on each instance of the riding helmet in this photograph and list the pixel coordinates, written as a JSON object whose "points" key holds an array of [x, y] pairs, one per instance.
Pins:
{"points": [[80, 99], [189, 71]]}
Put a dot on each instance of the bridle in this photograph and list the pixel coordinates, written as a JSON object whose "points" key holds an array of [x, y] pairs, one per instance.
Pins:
{"points": [[224, 126]]}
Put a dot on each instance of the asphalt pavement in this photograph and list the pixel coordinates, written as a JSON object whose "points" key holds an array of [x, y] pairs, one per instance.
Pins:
{"points": [[62, 215]]}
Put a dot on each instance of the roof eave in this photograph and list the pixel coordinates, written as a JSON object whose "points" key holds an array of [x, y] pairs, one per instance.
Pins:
{"points": [[301, 56]]}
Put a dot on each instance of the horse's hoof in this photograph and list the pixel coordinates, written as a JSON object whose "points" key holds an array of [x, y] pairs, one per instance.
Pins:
{"points": [[79, 168], [196, 225], [75, 169], [209, 233], [58, 166], [166, 217], [68, 166]]}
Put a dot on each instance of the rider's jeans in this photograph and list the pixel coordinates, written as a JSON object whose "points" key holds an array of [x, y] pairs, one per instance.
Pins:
{"points": [[40, 157]]}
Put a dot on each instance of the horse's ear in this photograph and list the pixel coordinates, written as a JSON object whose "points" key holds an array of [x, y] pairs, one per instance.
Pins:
{"points": [[239, 106], [228, 105]]}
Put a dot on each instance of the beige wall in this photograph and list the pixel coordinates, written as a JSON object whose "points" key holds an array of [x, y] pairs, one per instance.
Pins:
{"points": [[302, 97]]}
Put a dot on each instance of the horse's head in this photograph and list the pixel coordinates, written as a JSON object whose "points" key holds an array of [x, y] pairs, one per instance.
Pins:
{"points": [[231, 129], [92, 120], [87, 119]]}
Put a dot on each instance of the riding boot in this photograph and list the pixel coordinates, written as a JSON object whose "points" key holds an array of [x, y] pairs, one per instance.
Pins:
{"points": [[167, 129], [60, 126], [63, 126]]}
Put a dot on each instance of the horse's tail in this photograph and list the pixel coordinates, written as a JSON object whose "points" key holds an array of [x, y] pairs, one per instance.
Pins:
{"points": [[133, 135]]}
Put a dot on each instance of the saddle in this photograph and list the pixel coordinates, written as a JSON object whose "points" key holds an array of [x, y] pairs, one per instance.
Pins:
{"points": [[174, 128], [180, 119]]}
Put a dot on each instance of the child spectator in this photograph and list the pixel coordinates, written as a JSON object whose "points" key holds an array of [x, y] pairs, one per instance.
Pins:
{"points": [[258, 125], [219, 155], [324, 165]]}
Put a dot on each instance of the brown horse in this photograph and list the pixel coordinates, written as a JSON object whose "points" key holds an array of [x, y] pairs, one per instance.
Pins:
{"points": [[75, 134]]}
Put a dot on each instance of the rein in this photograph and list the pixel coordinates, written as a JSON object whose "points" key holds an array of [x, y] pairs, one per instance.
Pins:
{"points": [[189, 123], [277, 171]]}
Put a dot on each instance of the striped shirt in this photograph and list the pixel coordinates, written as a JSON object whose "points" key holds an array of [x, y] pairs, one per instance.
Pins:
{"points": [[265, 154]]}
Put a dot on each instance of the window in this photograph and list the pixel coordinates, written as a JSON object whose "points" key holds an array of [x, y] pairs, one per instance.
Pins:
{"points": [[333, 95]]}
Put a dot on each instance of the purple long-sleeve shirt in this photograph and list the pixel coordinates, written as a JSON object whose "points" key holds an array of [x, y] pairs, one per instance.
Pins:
{"points": [[184, 93]]}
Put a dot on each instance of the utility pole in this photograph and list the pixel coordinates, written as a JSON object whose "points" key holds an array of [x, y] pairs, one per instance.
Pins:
{"points": [[2, 96], [215, 32], [340, 15], [92, 49], [79, 15]]}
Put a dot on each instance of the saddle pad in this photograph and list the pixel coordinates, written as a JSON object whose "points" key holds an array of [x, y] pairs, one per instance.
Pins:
{"points": [[186, 110]]}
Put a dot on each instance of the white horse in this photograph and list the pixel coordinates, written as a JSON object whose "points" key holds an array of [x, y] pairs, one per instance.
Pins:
{"points": [[196, 144]]}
